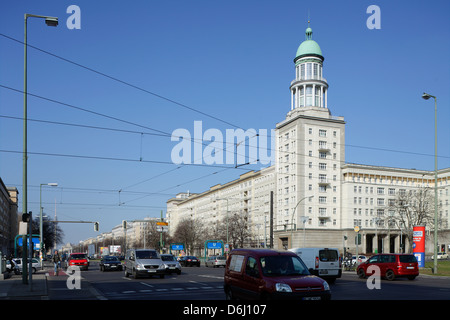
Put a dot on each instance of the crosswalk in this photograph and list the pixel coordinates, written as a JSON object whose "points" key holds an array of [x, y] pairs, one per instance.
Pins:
{"points": [[155, 289]]}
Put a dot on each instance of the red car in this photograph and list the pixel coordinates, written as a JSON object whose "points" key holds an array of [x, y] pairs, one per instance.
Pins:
{"points": [[79, 260], [259, 274], [391, 266]]}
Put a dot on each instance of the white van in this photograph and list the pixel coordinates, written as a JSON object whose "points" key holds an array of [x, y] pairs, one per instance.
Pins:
{"points": [[323, 262]]}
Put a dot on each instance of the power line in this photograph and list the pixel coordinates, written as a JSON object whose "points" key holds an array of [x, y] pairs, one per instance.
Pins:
{"points": [[123, 82], [115, 159]]}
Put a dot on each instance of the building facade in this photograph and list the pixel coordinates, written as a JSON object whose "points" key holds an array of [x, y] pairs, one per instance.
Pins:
{"points": [[9, 218], [318, 198]]}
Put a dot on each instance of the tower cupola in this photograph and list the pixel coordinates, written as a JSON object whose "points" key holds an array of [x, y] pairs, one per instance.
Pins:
{"points": [[309, 88]]}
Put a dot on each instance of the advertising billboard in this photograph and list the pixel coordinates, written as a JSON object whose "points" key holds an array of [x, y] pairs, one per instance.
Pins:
{"points": [[419, 244]]}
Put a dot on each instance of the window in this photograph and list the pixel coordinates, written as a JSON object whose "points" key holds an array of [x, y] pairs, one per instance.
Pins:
{"points": [[317, 97], [322, 133], [309, 101], [251, 268], [302, 95], [308, 71]]}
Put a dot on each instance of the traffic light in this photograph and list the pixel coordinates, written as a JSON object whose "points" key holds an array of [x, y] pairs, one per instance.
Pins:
{"points": [[358, 239], [26, 217], [124, 224], [96, 226]]}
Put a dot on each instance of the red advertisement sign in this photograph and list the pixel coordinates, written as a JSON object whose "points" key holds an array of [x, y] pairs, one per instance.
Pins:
{"points": [[419, 244]]}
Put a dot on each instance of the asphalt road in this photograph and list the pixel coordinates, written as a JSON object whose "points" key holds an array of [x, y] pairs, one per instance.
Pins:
{"points": [[194, 283], [201, 283]]}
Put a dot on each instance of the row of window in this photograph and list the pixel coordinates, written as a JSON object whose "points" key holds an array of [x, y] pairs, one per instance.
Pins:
{"points": [[309, 71]]}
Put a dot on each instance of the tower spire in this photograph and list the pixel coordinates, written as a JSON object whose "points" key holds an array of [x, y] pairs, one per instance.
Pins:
{"points": [[308, 32]]}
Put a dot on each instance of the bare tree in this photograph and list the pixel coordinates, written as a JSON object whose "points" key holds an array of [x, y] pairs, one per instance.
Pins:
{"points": [[190, 232], [52, 232], [413, 208], [239, 231]]}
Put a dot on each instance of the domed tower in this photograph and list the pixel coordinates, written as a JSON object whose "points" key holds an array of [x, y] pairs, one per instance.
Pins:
{"points": [[309, 88]]}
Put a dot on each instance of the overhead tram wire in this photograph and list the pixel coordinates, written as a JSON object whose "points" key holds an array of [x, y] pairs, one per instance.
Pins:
{"points": [[192, 139], [116, 159], [122, 82], [165, 98], [162, 133]]}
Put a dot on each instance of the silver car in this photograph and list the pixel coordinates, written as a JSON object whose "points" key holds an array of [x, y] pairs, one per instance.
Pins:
{"points": [[216, 261], [143, 262], [35, 265], [171, 263]]}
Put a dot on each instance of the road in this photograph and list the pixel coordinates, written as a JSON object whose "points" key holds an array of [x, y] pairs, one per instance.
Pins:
{"points": [[201, 283], [194, 283]]}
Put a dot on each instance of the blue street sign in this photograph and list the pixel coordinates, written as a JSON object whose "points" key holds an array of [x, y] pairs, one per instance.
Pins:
{"points": [[35, 242], [177, 247], [214, 245]]}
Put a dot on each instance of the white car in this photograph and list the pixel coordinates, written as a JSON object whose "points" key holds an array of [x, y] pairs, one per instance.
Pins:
{"points": [[440, 256], [361, 259], [35, 264]]}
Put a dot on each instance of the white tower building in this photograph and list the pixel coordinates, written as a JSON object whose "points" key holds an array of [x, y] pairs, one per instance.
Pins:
{"points": [[310, 149]]}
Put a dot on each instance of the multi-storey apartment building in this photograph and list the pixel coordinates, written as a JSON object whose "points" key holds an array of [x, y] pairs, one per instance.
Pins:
{"points": [[318, 198], [9, 218]]}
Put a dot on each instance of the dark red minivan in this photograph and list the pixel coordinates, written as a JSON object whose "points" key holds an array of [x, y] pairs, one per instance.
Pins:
{"points": [[258, 274], [391, 266]]}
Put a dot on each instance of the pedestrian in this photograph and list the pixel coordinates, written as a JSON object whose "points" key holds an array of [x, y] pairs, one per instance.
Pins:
{"points": [[56, 261]]}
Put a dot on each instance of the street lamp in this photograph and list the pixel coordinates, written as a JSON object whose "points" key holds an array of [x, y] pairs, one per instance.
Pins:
{"points": [[292, 220], [41, 235], [50, 21], [427, 96]]}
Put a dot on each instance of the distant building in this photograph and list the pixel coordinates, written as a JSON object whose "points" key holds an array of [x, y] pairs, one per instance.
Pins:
{"points": [[9, 218], [319, 198]]}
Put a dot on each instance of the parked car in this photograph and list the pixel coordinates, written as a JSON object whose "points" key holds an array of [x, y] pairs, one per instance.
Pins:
{"points": [[189, 261], [360, 259], [78, 259], [170, 263], [440, 256], [391, 266], [216, 261], [323, 262], [268, 274], [110, 263], [18, 265], [140, 262]]}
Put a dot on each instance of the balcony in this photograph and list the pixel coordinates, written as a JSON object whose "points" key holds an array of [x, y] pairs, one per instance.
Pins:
{"points": [[324, 147], [324, 181]]}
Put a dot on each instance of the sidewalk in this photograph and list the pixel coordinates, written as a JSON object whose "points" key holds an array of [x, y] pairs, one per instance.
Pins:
{"points": [[45, 286], [12, 287]]}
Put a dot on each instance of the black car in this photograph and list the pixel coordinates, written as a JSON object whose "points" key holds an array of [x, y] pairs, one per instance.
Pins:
{"points": [[189, 261], [110, 263]]}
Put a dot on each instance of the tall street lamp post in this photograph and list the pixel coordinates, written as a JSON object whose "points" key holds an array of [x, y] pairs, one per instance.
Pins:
{"points": [[50, 21], [427, 96], [292, 221]]}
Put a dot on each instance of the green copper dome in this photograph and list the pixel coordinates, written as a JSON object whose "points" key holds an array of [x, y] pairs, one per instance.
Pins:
{"points": [[308, 47]]}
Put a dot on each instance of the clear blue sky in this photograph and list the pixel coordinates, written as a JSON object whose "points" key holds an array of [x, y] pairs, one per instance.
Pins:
{"points": [[232, 60]]}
